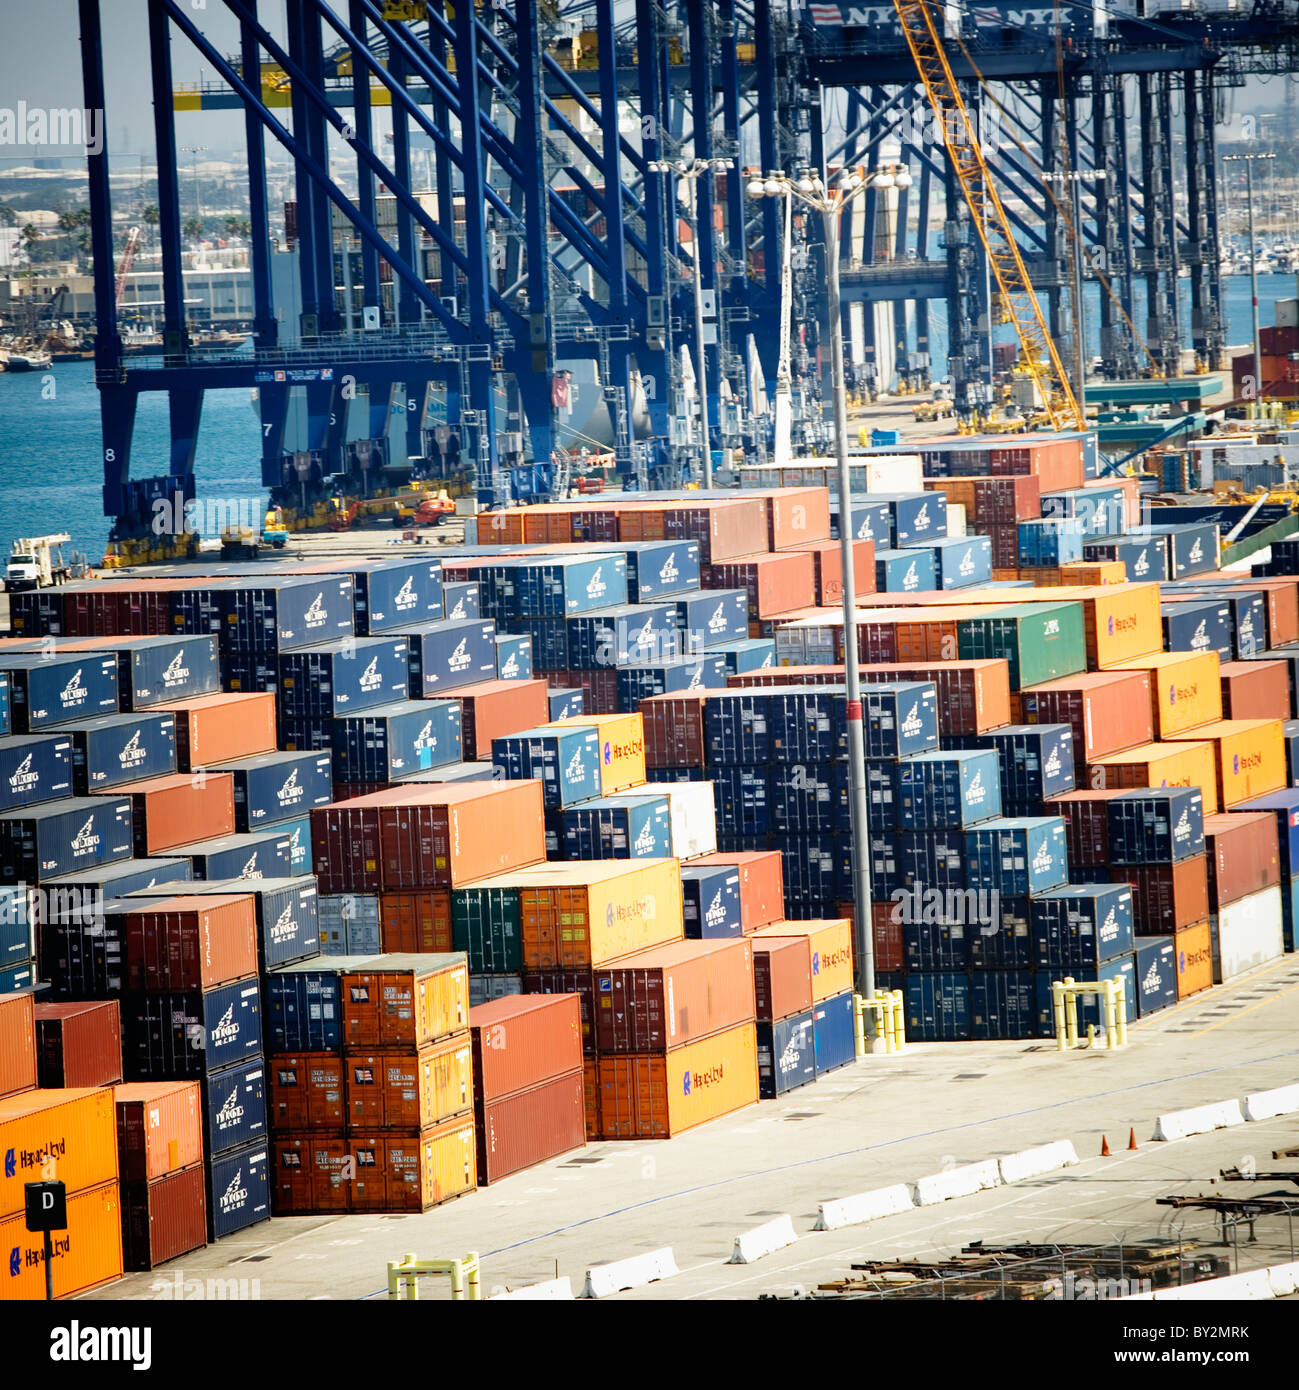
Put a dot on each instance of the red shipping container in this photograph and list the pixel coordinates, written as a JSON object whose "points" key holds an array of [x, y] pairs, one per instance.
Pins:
{"points": [[1086, 824], [670, 995], [492, 709], [523, 1128], [773, 583], [415, 923], [219, 728], [401, 1088], [1166, 897], [164, 1219], [1243, 855], [412, 1170], [782, 977], [1108, 711], [789, 675], [725, 530], [192, 943], [17, 1044], [762, 884], [79, 1044], [159, 1128], [1005, 502], [580, 983], [599, 687], [179, 809], [523, 1040], [313, 1173], [1255, 689], [674, 728], [827, 569], [1282, 606], [307, 1091], [973, 696]]}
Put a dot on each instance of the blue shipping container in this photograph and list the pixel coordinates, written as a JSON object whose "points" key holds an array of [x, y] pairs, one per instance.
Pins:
{"points": [[273, 787], [913, 516], [565, 704], [871, 520], [16, 942], [710, 618], [234, 1106], [944, 790], [1003, 1004], [833, 1034], [6, 717], [304, 1004], [358, 673], [1036, 762], [934, 859], [1002, 938], [1144, 559], [1156, 968], [17, 979], [1053, 542], [710, 902], [1017, 856], [752, 654], [936, 945], [619, 827], [786, 1055], [1159, 826], [1191, 549], [171, 1036], [960, 562], [567, 761], [637, 683], [120, 748], [899, 718], [513, 657], [461, 600], [1078, 927], [623, 636], [265, 854], [742, 799], [34, 768], [905, 571], [83, 951], [559, 586], [450, 654], [239, 1190], [938, 1006], [155, 670], [1198, 626], [388, 595], [63, 837], [806, 798], [396, 740], [285, 614], [656, 569], [66, 688]]}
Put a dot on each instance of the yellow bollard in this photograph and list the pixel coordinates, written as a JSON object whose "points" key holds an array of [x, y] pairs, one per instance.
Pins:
{"points": [[899, 1019], [1121, 1012], [1057, 1001], [858, 1027]]}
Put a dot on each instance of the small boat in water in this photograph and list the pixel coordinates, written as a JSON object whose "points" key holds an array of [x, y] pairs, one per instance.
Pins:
{"points": [[32, 360]]}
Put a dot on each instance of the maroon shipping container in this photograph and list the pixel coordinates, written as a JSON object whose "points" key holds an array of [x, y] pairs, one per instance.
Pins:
{"points": [[774, 583], [306, 1091], [523, 1040], [1167, 897], [762, 884], [599, 687], [492, 709], [192, 943], [79, 1044], [518, 1130], [17, 1044], [1243, 854], [579, 983], [827, 569], [725, 530], [163, 1219], [1005, 502], [179, 809], [669, 995], [782, 977], [887, 934], [1255, 689], [1005, 546], [1109, 711], [674, 728], [159, 1128], [1086, 824]]}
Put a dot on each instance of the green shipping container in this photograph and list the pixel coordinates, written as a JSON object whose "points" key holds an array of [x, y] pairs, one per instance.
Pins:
{"points": [[1041, 641], [486, 924]]}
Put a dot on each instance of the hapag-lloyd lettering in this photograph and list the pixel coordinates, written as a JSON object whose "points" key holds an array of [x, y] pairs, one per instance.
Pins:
{"points": [[701, 1080]]}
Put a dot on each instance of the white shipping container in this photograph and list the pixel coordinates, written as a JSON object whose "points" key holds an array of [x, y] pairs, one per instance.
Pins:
{"points": [[1247, 933], [1287, 313], [694, 817], [956, 524], [349, 924]]}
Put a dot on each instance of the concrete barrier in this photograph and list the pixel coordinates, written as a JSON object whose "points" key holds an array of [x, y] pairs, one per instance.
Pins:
{"points": [[552, 1289], [1032, 1163], [1179, 1124], [1234, 1288], [763, 1240], [864, 1206], [633, 1273], [1267, 1105], [957, 1182]]}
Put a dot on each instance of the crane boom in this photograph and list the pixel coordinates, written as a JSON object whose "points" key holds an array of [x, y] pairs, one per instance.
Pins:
{"points": [[128, 255], [1041, 356]]}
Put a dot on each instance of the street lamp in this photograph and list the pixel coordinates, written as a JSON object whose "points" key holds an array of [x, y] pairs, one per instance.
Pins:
{"points": [[690, 173], [829, 202], [1253, 259], [195, 150]]}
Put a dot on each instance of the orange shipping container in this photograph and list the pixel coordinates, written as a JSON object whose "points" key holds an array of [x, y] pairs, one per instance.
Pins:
{"points": [[644, 1097], [88, 1253], [179, 810], [159, 1128], [307, 1091], [796, 515], [410, 1090], [622, 748], [405, 1001], [412, 1170], [417, 923], [1192, 764], [1185, 688], [1194, 947], [1250, 757], [65, 1136], [214, 729], [17, 1044], [313, 1173], [586, 914], [830, 943], [591, 1096]]}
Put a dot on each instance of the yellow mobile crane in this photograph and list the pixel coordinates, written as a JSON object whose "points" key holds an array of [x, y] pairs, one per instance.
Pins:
{"points": [[1041, 357]]}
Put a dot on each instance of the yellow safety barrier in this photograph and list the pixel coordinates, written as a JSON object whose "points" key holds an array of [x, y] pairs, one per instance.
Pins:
{"points": [[404, 1276], [1065, 995], [890, 1020]]}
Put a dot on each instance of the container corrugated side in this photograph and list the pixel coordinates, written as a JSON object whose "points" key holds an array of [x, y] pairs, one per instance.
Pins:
{"points": [[523, 1128], [522, 1041], [87, 1254], [17, 1044], [72, 1132], [164, 1219], [159, 1128]]}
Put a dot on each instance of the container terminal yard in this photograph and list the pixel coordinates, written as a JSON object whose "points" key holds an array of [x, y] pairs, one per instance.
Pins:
{"points": [[681, 782]]}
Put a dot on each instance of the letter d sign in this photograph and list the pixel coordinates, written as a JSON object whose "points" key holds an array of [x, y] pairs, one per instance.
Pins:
{"points": [[46, 1206]]}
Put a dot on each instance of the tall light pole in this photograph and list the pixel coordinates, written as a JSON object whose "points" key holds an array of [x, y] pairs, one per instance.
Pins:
{"points": [[1248, 160], [195, 150], [690, 174], [809, 188]]}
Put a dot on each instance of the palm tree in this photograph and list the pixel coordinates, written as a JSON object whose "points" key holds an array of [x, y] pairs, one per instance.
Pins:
{"points": [[30, 237], [193, 228], [149, 216]]}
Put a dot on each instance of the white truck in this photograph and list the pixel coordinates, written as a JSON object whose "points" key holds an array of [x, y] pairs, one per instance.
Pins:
{"points": [[35, 562]]}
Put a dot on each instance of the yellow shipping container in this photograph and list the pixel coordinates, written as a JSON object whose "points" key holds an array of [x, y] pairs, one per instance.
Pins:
{"points": [[66, 1136], [87, 1254], [584, 914], [1185, 687], [643, 1097], [831, 945], [622, 748], [1250, 755], [1190, 764]]}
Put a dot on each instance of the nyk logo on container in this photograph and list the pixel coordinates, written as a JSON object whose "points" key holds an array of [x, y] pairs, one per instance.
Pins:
{"points": [[406, 597], [597, 586], [574, 771], [235, 1195], [645, 841], [284, 927], [669, 574], [459, 658], [701, 1080], [792, 1057], [696, 678], [1152, 979], [231, 1111], [316, 614], [975, 791], [227, 1030], [911, 580], [175, 671], [74, 692], [370, 677], [912, 725], [1141, 566], [85, 841], [922, 517], [24, 779], [291, 791], [132, 754]]}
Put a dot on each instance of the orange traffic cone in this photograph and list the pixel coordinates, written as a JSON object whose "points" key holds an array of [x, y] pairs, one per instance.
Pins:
{"points": [[1132, 1139], [1105, 1147]]}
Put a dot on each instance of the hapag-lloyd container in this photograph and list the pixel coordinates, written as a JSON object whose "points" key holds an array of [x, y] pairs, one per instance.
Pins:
{"points": [[46, 690], [87, 1253], [1250, 757], [655, 1097], [284, 614], [1189, 764], [405, 1088], [154, 670], [762, 894], [216, 728], [164, 1219], [1194, 948], [831, 953], [1185, 689], [527, 1127], [17, 1044], [34, 768], [494, 708], [178, 809], [1108, 711], [191, 942], [404, 1001], [274, 787], [1247, 933], [79, 1044], [63, 837], [77, 1128], [446, 655], [673, 994], [566, 759], [1244, 855], [354, 673], [116, 749], [522, 1041]]}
